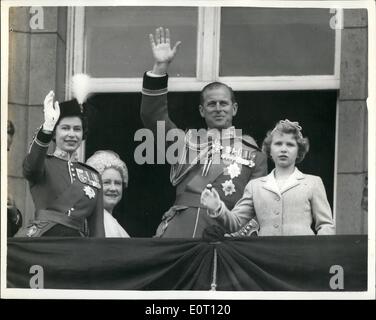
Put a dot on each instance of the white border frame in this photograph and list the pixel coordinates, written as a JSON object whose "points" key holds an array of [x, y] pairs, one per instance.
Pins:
{"points": [[102, 294]]}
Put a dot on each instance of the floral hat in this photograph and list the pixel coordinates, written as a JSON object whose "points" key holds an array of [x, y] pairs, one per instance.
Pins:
{"points": [[105, 159]]}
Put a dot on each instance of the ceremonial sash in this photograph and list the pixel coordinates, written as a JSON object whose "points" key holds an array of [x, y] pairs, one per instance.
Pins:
{"points": [[67, 199]]}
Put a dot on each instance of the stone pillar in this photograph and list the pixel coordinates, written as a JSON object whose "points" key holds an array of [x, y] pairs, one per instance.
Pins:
{"points": [[352, 124], [36, 66]]}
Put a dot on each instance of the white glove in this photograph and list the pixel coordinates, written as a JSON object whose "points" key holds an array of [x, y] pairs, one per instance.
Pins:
{"points": [[211, 200], [51, 112]]}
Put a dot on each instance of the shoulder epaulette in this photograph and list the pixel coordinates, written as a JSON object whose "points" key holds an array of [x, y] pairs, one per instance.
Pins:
{"points": [[250, 142], [87, 166]]}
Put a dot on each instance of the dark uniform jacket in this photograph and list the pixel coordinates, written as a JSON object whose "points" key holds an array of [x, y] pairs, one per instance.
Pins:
{"points": [[227, 162], [65, 192]]}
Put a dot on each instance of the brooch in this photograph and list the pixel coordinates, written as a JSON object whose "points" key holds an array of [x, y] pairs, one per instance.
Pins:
{"points": [[233, 170], [228, 187], [89, 192]]}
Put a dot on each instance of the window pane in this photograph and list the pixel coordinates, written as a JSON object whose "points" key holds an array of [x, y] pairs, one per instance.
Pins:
{"points": [[117, 39], [272, 42]]}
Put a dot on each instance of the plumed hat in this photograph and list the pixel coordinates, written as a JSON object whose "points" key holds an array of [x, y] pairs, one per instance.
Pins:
{"points": [[77, 107], [70, 108]]}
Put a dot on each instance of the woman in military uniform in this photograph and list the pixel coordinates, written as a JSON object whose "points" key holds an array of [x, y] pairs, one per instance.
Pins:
{"points": [[67, 194]]}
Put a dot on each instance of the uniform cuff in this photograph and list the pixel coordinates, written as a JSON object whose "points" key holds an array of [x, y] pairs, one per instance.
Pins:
{"points": [[154, 75], [43, 138], [154, 86]]}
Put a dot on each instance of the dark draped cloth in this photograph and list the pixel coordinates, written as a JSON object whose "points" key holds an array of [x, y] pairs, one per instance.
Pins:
{"points": [[298, 263]]}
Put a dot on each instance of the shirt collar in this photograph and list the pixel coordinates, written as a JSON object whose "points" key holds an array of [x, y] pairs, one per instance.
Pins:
{"points": [[295, 174]]}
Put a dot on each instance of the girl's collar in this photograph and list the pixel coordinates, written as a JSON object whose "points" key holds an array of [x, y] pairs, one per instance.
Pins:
{"points": [[290, 175]]}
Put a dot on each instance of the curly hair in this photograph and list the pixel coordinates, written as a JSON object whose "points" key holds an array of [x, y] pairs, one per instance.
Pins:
{"points": [[286, 126], [105, 159]]}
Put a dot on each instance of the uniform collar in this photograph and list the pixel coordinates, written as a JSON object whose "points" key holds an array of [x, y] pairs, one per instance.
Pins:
{"points": [[223, 133], [63, 155]]}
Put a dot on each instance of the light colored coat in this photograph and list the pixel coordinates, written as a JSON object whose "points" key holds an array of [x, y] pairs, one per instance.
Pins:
{"points": [[289, 211]]}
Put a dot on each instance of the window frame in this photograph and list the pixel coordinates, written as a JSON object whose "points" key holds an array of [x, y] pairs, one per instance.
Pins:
{"points": [[207, 66]]}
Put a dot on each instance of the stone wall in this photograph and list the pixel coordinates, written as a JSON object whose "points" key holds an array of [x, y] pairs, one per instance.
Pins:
{"points": [[352, 124], [36, 66]]}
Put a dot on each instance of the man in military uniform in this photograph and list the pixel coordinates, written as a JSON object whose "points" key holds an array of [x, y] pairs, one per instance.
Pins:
{"points": [[225, 159]]}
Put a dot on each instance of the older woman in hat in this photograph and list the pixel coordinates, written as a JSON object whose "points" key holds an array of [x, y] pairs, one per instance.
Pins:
{"points": [[114, 174], [67, 194]]}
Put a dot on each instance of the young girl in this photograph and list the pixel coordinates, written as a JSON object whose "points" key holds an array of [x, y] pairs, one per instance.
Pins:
{"points": [[285, 202]]}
